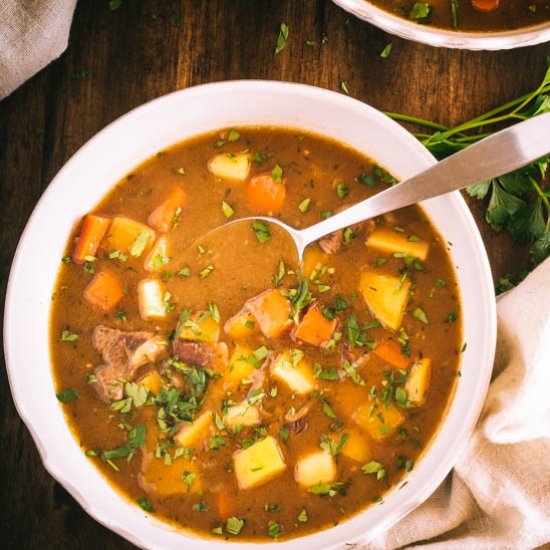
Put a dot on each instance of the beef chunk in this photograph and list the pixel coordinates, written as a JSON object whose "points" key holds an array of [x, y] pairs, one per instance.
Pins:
{"points": [[123, 353], [194, 353], [332, 242]]}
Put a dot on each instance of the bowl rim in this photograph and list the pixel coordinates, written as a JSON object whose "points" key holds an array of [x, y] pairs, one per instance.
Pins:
{"points": [[488, 309], [434, 36]]}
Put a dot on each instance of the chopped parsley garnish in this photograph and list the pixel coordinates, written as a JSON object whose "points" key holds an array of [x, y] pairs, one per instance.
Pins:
{"points": [[344, 87], [385, 53], [68, 336], [420, 10], [420, 315], [281, 272], [227, 209], [326, 489], [144, 504], [374, 467], [330, 446], [234, 525], [304, 205], [351, 371], [277, 174], [342, 190], [206, 271], [302, 516], [262, 231], [184, 272], [66, 396], [200, 507], [274, 529], [283, 434], [233, 135], [282, 38], [325, 374]]}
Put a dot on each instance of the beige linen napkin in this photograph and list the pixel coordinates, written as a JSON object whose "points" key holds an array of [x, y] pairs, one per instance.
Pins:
{"points": [[498, 495], [32, 34]]}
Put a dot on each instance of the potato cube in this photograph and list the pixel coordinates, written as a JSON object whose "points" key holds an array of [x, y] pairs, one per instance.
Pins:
{"points": [[291, 368], [390, 241], [241, 326], [129, 237], [357, 446], [192, 434], [239, 366], [152, 381], [200, 327], [418, 383], [386, 297], [150, 300], [259, 463], [158, 257], [180, 477], [272, 312], [378, 421], [318, 467], [230, 167], [242, 415]]}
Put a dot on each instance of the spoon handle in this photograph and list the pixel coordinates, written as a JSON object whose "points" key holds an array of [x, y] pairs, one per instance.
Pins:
{"points": [[489, 158]]}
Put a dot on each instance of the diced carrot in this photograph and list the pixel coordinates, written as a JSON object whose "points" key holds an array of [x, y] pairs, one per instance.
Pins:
{"points": [[272, 313], [105, 290], [485, 5], [390, 351], [225, 505], [266, 195], [314, 328], [94, 228], [163, 217]]}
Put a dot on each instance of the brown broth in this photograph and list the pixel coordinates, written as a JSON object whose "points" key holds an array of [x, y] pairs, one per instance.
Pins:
{"points": [[510, 14], [245, 267]]}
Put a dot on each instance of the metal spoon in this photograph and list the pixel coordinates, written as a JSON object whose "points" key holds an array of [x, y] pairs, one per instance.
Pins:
{"points": [[489, 158]]}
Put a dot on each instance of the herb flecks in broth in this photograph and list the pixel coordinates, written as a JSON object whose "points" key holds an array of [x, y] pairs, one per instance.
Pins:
{"points": [[221, 386]]}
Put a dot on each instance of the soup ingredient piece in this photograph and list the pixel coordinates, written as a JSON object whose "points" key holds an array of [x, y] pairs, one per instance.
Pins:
{"points": [[152, 381], [225, 503], [258, 464], [151, 300], [390, 351], [344, 88], [296, 421], [200, 327], [315, 469], [274, 529], [230, 167], [386, 296], [374, 467], [179, 477], [227, 209], [282, 38], [304, 205], [191, 435], [314, 259], [66, 396], [380, 421], [241, 326], [262, 231], [314, 328], [418, 382], [272, 313], [104, 291], [193, 353], [165, 217], [129, 236], [234, 525], [390, 241], [158, 256], [94, 228], [242, 415], [291, 368], [357, 446], [145, 505], [485, 5], [385, 53], [454, 13], [68, 336], [239, 365], [420, 10], [266, 193]]}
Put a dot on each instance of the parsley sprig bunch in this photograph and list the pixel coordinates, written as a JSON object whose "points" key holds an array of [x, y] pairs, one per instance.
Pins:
{"points": [[519, 201]]}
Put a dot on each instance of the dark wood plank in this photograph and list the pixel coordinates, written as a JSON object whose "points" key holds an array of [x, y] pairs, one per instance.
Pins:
{"points": [[149, 48]]}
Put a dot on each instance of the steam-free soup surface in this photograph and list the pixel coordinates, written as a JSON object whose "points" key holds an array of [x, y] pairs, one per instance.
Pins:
{"points": [[221, 386], [471, 15]]}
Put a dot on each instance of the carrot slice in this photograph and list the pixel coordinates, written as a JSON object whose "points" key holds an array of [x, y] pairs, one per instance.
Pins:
{"points": [[225, 504], [266, 195], [315, 328], [272, 313], [164, 216], [105, 290], [94, 228], [390, 351], [485, 5]]}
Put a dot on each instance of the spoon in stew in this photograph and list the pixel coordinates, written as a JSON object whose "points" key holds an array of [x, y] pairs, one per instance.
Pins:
{"points": [[489, 158]]}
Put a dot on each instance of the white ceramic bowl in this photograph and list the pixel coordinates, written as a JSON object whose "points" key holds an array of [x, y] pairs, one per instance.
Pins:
{"points": [[411, 30], [99, 164]]}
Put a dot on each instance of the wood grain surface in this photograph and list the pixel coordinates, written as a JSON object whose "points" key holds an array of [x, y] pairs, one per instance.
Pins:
{"points": [[117, 60]]}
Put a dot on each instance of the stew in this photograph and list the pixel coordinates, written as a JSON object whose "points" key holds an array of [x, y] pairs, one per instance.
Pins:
{"points": [[223, 387]]}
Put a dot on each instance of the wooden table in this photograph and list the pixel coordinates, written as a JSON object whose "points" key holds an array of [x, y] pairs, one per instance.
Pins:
{"points": [[117, 60]]}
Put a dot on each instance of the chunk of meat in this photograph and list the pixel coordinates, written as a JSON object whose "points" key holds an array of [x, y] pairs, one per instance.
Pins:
{"points": [[194, 353], [333, 242], [123, 353], [356, 356], [297, 422]]}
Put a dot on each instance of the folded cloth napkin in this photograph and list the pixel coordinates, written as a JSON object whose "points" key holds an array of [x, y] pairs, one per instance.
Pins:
{"points": [[32, 34], [498, 495]]}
